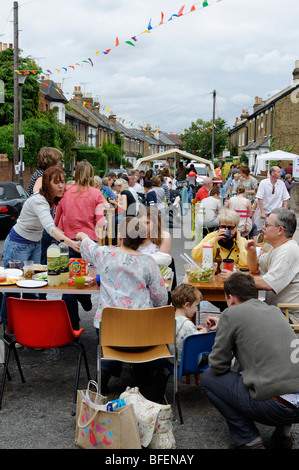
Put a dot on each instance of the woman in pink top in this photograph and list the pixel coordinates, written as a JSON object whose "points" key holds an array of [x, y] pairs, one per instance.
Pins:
{"points": [[80, 209]]}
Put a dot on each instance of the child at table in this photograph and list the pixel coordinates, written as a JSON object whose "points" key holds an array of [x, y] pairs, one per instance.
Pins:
{"points": [[185, 299]]}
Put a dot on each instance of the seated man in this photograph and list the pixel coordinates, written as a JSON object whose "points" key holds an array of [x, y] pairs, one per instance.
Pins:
{"points": [[204, 190], [265, 389], [280, 266]]}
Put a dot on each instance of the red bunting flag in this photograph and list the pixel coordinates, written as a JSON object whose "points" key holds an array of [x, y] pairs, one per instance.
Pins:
{"points": [[162, 18], [180, 13], [193, 8], [116, 42]]}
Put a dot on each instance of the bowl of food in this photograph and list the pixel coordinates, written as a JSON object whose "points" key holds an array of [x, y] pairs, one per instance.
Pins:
{"points": [[198, 273]]}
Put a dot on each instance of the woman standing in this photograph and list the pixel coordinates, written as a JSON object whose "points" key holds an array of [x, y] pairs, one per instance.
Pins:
{"points": [[80, 207], [24, 240], [124, 198], [250, 183], [47, 157]]}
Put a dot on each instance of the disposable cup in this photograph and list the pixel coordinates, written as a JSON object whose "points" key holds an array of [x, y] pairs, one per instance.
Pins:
{"points": [[79, 282], [228, 264]]}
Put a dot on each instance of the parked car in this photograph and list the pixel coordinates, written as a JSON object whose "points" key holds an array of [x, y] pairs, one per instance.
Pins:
{"points": [[12, 198]]}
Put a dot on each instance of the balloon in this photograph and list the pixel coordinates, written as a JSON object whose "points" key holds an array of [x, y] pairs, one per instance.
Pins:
{"points": [[192, 173]]}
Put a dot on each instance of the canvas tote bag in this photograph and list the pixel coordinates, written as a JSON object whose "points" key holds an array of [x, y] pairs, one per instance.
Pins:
{"points": [[100, 429]]}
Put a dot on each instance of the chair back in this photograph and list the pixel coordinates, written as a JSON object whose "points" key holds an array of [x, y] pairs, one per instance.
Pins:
{"points": [[40, 323], [122, 327], [193, 347], [285, 308]]}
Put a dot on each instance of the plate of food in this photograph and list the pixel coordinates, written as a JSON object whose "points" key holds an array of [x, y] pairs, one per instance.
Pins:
{"points": [[10, 281], [38, 268], [32, 284]]}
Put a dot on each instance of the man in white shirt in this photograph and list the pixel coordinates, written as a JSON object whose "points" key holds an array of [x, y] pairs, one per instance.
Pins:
{"points": [[280, 265], [133, 184], [208, 210], [272, 193]]}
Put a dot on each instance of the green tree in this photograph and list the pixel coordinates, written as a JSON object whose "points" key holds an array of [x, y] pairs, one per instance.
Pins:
{"points": [[30, 90], [95, 156], [198, 138]]}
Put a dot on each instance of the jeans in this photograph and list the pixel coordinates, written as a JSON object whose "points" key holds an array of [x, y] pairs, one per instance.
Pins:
{"points": [[71, 300], [22, 252], [232, 399]]}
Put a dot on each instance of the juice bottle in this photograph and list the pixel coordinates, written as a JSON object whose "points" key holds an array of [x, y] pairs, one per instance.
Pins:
{"points": [[64, 262], [53, 265]]}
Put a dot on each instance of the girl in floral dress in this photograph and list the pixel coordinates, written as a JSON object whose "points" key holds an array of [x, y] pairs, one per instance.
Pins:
{"points": [[129, 279]]}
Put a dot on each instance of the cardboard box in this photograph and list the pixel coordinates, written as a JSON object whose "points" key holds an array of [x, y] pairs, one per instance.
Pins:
{"points": [[89, 281]]}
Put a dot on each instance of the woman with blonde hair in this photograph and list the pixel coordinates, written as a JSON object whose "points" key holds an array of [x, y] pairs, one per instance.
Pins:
{"points": [[124, 199], [227, 238], [80, 208]]}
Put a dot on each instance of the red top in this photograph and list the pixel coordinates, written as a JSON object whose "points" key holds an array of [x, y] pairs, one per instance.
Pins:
{"points": [[80, 212], [201, 194]]}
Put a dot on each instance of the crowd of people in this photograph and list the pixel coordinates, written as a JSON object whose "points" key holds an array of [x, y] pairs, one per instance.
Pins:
{"points": [[263, 385]]}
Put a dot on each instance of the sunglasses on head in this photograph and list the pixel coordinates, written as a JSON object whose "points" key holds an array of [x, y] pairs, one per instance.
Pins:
{"points": [[229, 227], [273, 189]]}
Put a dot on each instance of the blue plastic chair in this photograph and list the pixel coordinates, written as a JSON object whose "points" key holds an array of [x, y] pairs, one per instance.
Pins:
{"points": [[193, 347]]}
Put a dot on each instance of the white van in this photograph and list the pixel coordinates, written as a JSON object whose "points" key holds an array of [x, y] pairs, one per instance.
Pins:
{"points": [[202, 171]]}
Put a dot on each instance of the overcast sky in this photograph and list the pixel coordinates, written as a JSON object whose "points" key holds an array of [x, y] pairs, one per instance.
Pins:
{"points": [[240, 48]]}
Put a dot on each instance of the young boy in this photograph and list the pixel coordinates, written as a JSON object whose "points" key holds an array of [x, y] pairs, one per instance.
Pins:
{"points": [[185, 299]]}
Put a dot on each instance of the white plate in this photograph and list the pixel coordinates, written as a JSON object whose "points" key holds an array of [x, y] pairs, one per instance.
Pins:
{"points": [[14, 272], [31, 284]]}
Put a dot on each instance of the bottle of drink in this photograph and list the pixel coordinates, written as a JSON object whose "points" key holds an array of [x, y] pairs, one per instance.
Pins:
{"points": [[218, 260], [53, 265], [64, 262]]}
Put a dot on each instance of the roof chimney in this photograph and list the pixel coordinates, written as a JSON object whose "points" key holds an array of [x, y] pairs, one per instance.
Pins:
{"points": [[296, 73], [77, 92]]}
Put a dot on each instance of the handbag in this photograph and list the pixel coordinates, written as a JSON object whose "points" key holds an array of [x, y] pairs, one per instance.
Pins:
{"points": [[154, 420], [97, 428]]}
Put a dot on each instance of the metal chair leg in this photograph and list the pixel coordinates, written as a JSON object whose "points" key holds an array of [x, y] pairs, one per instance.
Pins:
{"points": [[179, 408]]}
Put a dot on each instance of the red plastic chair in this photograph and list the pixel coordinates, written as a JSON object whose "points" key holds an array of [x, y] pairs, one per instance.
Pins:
{"points": [[41, 324]]}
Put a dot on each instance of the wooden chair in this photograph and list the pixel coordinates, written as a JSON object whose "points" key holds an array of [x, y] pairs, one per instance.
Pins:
{"points": [[136, 336], [244, 214], [286, 307]]}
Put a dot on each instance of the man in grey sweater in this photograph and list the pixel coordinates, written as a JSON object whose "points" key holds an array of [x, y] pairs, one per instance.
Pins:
{"points": [[264, 388]]}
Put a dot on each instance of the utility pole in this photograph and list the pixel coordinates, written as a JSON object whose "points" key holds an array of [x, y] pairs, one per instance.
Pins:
{"points": [[213, 128], [16, 92]]}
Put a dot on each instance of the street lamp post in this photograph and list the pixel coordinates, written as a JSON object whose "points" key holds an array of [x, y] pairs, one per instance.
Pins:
{"points": [[21, 81], [121, 150]]}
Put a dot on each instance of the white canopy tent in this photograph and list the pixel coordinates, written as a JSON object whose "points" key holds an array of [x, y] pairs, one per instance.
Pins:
{"points": [[143, 163], [278, 155]]}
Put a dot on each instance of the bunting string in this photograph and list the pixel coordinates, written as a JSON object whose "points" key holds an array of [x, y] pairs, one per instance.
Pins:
{"points": [[132, 42]]}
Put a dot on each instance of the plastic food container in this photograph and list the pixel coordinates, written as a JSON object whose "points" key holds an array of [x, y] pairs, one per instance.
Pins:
{"points": [[200, 273]]}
